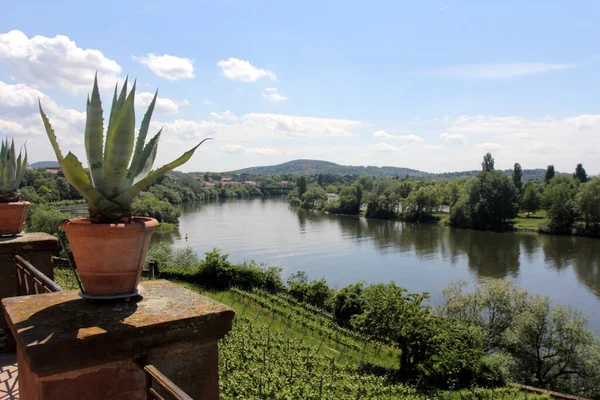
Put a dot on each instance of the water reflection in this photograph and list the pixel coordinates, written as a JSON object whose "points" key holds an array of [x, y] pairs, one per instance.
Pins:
{"points": [[488, 254], [421, 257]]}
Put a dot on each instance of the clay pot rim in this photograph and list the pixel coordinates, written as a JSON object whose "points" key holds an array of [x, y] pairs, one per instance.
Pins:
{"points": [[86, 222]]}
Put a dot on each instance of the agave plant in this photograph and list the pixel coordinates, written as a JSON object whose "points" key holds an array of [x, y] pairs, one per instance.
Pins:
{"points": [[119, 170], [12, 169]]}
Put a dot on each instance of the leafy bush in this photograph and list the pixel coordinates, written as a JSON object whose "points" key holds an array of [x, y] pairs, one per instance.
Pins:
{"points": [[44, 218], [145, 204], [215, 271]]}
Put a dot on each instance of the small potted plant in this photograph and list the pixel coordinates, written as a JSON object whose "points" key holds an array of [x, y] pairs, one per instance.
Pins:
{"points": [[110, 246], [13, 211]]}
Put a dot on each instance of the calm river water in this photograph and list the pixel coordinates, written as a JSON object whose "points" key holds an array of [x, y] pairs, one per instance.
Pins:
{"points": [[419, 257]]}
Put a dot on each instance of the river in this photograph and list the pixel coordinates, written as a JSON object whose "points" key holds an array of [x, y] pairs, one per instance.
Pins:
{"points": [[419, 257]]}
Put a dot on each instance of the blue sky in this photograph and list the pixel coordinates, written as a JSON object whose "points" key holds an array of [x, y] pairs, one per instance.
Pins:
{"points": [[430, 85]]}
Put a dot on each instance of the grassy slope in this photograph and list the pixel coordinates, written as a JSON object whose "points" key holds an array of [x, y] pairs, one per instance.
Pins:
{"points": [[260, 334]]}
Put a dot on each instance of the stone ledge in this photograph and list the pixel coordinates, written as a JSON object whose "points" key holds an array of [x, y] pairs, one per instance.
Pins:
{"points": [[28, 242], [61, 332]]}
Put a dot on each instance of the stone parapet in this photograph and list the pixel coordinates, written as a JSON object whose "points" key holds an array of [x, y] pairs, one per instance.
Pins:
{"points": [[68, 348], [36, 248]]}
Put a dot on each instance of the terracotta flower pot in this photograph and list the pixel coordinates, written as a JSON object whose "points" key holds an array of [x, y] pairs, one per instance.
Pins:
{"points": [[12, 217], [109, 257]]}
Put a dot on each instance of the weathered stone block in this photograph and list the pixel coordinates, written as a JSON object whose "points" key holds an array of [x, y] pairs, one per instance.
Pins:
{"points": [[36, 248], [68, 348]]}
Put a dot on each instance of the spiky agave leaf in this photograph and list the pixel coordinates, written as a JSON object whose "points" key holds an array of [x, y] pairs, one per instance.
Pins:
{"points": [[110, 197], [119, 147], [11, 171], [128, 195], [138, 163], [94, 136]]}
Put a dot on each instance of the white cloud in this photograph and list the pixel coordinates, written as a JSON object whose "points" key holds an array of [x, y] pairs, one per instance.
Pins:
{"points": [[15, 129], [496, 71], [273, 95], [489, 146], [42, 62], [167, 66], [456, 138], [239, 149], [404, 139], [163, 105], [225, 115], [297, 126], [182, 130], [384, 147], [207, 102], [534, 143], [241, 70]]}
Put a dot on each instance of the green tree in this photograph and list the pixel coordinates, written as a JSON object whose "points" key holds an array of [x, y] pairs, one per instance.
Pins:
{"points": [[146, 205], [532, 200], [420, 204], [301, 186], [558, 199], [488, 201], [348, 302], [549, 173], [552, 347], [349, 202], [331, 189], [517, 177], [392, 314], [320, 180], [491, 307], [313, 197], [589, 203], [366, 181], [580, 173], [488, 163]]}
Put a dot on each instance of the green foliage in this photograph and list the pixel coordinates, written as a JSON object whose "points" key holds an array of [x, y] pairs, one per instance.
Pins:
{"points": [[546, 346], [487, 202], [421, 204], [589, 203], [366, 181], [119, 169], [531, 200], [488, 163], [316, 293], [348, 302], [12, 169], [517, 177], [215, 271], [393, 315], [331, 189], [549, 173], [301, 186], [44, 218], [314, 197], [146, 205], [560, 204], [384, 200], [349, 202], [580, 174]]}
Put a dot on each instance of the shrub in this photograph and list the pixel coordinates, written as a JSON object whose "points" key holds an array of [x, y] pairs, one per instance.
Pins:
{"points": [[215, 271], [145, 204], [44, 218]]}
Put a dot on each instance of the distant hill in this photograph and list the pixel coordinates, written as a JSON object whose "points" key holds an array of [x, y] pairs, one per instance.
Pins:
{"points": [[311, 167], [44, 164]]}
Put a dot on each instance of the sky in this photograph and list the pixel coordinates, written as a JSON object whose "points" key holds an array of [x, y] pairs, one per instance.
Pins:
{"points": [[431, 85]]}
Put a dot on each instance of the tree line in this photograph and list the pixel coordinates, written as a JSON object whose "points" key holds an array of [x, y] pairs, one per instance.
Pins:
{"points": [[488, 200]]}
